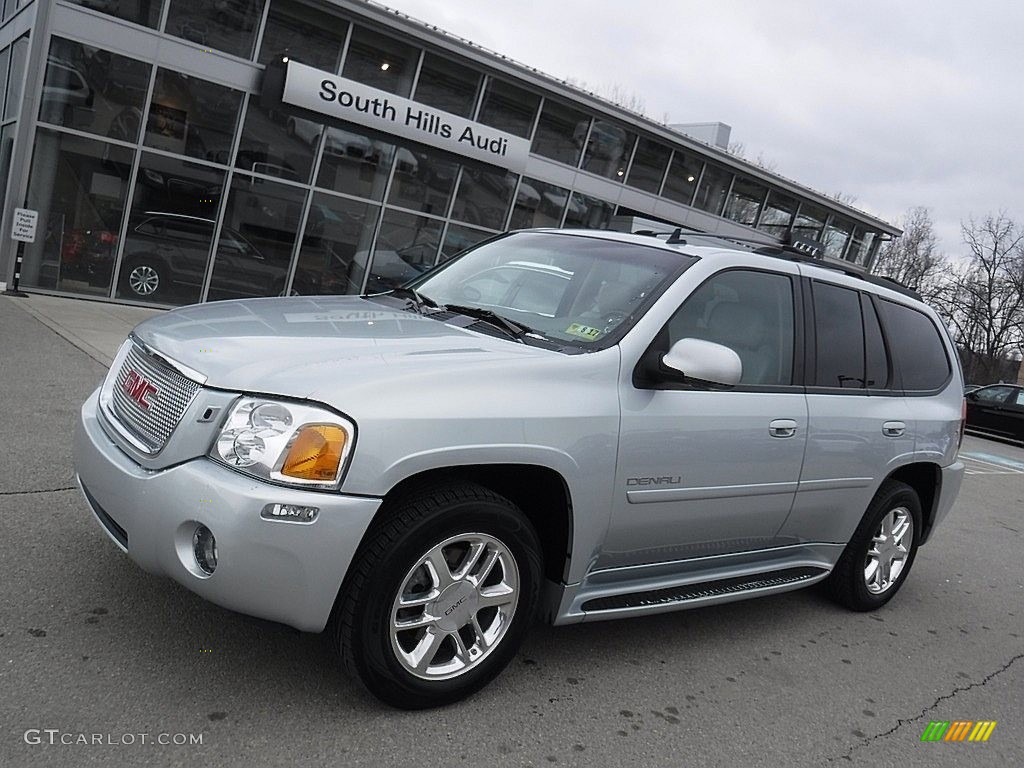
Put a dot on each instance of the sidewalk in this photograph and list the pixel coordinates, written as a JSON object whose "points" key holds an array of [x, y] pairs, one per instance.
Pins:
{"points": [[95, 327]]}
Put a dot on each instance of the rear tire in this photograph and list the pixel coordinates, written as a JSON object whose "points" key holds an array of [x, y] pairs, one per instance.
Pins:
{"points": [[467, 562], [881, 551]]}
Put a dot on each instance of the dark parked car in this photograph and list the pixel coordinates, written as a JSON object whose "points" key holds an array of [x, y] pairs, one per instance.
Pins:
{"points": [[166, 254], [997, 410]]}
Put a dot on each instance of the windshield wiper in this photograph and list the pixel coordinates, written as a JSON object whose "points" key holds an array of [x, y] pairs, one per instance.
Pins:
{"points": [[511, 327], [415, 295]]}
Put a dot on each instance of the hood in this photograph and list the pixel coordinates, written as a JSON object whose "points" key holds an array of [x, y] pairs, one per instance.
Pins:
{"points": [[304, 346]]}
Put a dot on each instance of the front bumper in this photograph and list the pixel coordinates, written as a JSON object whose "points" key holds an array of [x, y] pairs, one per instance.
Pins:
{"points": [[282, 571]]}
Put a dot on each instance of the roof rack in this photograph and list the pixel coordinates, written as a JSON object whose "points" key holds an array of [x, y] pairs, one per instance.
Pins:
{"points": [[800, 250]]}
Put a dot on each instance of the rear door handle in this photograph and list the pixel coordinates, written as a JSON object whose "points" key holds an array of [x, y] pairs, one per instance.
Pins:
{"points": [[782, 428], [894, 428]]}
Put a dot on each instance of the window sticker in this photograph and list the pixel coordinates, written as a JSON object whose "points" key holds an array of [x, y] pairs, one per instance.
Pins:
{"points": [[583, 331]]}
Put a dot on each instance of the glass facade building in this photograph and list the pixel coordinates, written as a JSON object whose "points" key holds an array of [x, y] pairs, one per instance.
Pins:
{"points": [[166, 170]]}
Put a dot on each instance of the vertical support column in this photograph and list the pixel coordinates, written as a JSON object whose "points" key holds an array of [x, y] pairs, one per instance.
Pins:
{"points": [[21, 158]]}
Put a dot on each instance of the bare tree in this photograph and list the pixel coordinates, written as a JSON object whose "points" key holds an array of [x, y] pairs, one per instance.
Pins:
{"points": [[913, 258], [770, 164], [984, 299], [614, 93]]}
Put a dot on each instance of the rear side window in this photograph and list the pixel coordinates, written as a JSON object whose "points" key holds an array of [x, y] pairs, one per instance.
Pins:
{"points": [[916, 347], [839, 334]]}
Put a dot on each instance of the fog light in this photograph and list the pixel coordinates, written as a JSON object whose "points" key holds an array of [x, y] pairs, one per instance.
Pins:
{"points": [[292, 513], [204, 547]]}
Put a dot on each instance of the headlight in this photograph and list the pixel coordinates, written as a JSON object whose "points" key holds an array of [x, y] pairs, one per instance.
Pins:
{"points": [[285, 442]]}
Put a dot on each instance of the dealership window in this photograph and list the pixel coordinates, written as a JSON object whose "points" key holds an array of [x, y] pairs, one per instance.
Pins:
{"points": [[335, 246], [810, 220], [683, 174], [484, 197], [424, 179], [861, 245], [226, 25], [713, 187], [355, 163], [406, 248], [145, 12], [588, 212], [745, 201], [458, 238], [837, 234], [608, 149], [170, 230], [508, 108], [561, 131], [254, 251], [380, 61], [303, 32], [94, 90], [191, 116], [649, 163], [16, 78], [539, 204], [778, 213], [79, 186], [447, 86], [277, 144]]}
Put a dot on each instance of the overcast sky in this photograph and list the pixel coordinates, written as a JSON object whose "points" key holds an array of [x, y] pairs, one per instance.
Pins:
{"points": [[914, 102]]}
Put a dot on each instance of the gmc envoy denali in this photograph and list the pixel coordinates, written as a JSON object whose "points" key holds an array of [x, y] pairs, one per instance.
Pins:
{"points": [[571, 425]]}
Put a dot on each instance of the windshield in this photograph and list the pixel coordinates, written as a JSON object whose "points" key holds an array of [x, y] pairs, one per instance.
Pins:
{"points": [[573, 289]]}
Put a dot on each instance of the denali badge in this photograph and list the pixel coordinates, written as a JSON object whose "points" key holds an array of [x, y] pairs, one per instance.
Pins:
{"points": [[654, 480], [138, 389]]}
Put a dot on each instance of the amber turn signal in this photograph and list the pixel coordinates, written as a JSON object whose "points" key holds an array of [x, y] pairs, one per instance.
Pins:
{"points": [[316, 453]]}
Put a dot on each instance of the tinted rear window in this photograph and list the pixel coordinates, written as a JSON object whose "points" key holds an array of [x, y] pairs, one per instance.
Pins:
{"points": [[840, 337], [916, 346]]}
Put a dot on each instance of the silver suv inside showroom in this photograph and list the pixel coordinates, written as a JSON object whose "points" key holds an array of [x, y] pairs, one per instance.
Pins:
{"points": [[188, 150]]}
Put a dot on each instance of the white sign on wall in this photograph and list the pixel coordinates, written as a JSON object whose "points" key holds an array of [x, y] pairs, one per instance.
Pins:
{"points": [[24, 227], [339, 97]]}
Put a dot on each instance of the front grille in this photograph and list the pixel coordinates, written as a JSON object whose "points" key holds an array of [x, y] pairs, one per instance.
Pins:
{"points": [[152, 426]]}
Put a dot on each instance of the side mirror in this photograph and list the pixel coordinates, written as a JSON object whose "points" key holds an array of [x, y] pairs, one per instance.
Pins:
{"points": [[704, 360], [972, 395]]}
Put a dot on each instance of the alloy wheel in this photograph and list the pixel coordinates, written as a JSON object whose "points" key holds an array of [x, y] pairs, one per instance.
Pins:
{"points": [[889, 549], [454, 606], [144, 280]]}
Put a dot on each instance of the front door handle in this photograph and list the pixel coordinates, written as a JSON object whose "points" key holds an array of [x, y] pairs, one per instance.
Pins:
{"points": [[782, 428], [894, 428]]}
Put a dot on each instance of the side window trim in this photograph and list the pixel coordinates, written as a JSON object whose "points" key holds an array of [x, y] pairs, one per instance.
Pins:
{"points": [[890, 360]]}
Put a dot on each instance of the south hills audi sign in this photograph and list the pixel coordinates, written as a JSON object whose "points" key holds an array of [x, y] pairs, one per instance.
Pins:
{"points": [[338, 97]]}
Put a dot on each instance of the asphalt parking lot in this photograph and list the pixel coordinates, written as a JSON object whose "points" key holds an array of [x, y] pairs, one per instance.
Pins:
{"points": [[90, 644]]}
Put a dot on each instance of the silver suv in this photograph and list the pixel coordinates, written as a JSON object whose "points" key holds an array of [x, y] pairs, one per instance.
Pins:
{"points": [[571, 425]]}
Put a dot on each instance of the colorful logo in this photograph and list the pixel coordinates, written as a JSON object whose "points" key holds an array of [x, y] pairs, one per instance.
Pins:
{"points": [[958, 730]]}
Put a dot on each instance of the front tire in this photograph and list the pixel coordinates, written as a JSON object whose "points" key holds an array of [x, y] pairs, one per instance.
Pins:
{"points": [[439, 596], [879, 556]]}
